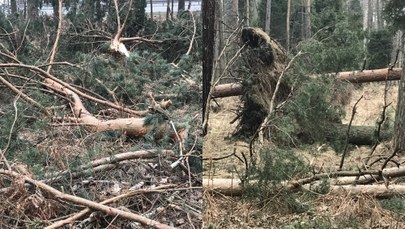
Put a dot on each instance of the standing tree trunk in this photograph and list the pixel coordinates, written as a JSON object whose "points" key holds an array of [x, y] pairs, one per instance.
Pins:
{"points": [[253, 13], [151, 9], [268, 17], [378, 8], [32, 10], [171, 12], [399, 127], [55, 7], [182, 5], [13, 6], [168, 10], [369, 15], [308, 33], [247, 13], [288, 25], [208, 39], [220, 37]]}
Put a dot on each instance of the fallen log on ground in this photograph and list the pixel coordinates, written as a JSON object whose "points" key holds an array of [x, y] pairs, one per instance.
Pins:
{"points": [[379, 190], [227, 90], [366, 76], [360, 135], [234, 187]]}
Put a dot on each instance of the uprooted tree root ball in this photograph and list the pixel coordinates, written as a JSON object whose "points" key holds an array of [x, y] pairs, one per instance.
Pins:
{"points": [[265, 60]]}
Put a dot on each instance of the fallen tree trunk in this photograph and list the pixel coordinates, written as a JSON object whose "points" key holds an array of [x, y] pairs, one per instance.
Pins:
{"points": [[361, 135], [234, 187], [227, 90], [366, 76], [379, 190], [225, 186]]}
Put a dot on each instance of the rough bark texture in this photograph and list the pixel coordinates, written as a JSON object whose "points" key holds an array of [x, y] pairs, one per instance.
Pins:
{"points": [[268, 16], [228, 89], [370, 75], [399, 128], [208, 39]]}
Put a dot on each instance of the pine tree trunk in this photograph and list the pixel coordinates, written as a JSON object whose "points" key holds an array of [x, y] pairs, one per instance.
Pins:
{"points": [[370, 15], [13, 6], [32, 10], [268, 15], [288, 25], [168, 10], [247, 13], [208, 39], [182, 5], [55, 8], [399, 127], [379, 18], [253, 12], [308, 33], [219, 41], [151, 9]]}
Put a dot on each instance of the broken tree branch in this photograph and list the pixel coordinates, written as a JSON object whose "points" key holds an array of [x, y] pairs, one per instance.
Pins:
{"points": [[93, 205]]}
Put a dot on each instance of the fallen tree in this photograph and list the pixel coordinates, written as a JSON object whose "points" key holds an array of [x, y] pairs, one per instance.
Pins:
{"points": [[361, 135], [347, 180], [366, 76]]}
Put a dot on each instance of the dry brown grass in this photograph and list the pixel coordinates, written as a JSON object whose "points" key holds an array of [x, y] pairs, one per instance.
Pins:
{"points": [[327, 210]]}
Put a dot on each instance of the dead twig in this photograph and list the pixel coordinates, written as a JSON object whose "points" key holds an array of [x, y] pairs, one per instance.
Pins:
{"points": [[108, 162], [348, 133], [56, 43]]}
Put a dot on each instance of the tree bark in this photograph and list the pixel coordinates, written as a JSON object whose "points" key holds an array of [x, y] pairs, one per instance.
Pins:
{"points": [[151, 9], [226, 90], [369, 15], [378, 191], [288, 25], [308, 33], [376, 75], [32, 10], [208, 39], [268, 17], [336, 179], [182, 5], [168, 10], [363, 135], [399, 126], [13, 6], [253, 15]]}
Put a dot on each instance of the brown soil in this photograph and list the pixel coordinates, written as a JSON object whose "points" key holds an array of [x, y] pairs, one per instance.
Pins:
{"points": [[325, 210]]}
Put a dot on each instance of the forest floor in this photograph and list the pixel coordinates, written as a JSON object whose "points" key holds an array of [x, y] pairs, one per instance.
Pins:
{"points": [[143, 185], [322, 211]]}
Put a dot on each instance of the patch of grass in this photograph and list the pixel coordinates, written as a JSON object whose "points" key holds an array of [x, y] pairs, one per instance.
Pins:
{"points": [[395, 204]]}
